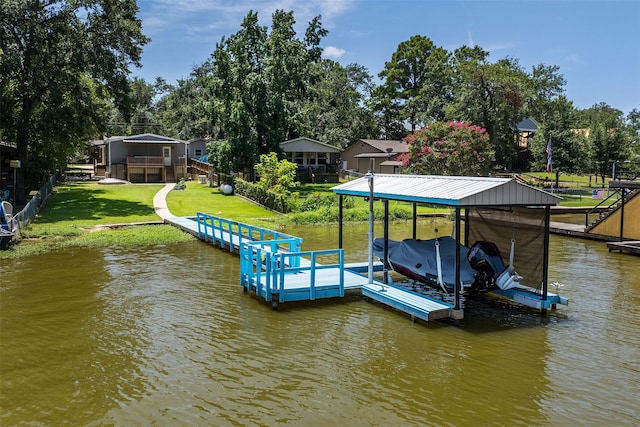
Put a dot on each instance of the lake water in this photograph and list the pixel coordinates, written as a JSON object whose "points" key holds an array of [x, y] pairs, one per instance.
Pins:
{"points": [[164, 335]]}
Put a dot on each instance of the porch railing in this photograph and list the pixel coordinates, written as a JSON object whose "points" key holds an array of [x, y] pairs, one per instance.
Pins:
{"points": [[145, 161]]}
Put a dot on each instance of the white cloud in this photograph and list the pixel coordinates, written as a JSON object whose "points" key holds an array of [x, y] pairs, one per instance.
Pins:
{"points": [[229, 13], [333, 52], [496, 47]]}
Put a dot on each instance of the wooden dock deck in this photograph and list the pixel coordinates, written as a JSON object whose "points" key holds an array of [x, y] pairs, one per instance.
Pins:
{"points": [[630, 246]]}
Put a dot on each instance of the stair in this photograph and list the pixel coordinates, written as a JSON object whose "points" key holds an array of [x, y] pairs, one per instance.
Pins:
{"points": [[603, 215], [170, 174]]}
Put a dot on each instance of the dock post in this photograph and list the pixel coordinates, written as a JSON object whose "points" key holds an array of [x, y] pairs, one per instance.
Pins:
{"points": [[456, 285], [369, 177], [545, 260], [386, 241], [340, 218]]}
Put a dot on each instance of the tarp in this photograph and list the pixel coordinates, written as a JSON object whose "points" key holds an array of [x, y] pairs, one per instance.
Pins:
{"points": [[417, 259]]}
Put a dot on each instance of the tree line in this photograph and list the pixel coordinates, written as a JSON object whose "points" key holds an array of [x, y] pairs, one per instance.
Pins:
{"points": [[64, 79]]}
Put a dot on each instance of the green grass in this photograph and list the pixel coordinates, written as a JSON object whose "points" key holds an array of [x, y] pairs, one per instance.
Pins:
{"points": [[124, 236], [76, 206], [568, 180], [198, 197], [580, 201]]}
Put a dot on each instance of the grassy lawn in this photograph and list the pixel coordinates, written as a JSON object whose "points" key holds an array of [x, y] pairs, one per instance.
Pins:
{"points": [[202, 198], [79, 205], [76, 207], [571, 181]]}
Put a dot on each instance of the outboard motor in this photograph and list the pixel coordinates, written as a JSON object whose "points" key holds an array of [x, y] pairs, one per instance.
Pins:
{"points": [[485, 257]]}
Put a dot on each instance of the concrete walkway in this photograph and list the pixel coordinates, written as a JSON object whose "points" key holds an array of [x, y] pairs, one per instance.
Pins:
{"points": [[160, 202]]}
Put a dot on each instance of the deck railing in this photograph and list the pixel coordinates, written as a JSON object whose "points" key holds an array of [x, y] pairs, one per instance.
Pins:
{"points": [[145, 161], [269, 271], [211, 227]]}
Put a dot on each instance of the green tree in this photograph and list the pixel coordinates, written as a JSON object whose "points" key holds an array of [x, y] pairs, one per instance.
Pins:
{"points": [[334, 111], [260, 82], [276, 175], [569, 151], [609, 136], [498, 95], [633, 122], [60, 60], [417, 82], [491, 95], [186, 110], [453, 148], [609, 144], [220, 155], [144, 117]]}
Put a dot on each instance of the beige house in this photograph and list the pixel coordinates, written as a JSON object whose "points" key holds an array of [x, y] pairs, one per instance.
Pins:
{"points": [[381, 155], [317, 161]]}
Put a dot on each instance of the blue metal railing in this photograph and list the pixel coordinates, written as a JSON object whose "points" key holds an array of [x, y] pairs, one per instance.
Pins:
{"points": [[220, 231], [262, 266]]}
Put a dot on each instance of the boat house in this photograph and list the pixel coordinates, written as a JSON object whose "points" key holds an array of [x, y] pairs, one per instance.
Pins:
{"points": [[512, 215]]}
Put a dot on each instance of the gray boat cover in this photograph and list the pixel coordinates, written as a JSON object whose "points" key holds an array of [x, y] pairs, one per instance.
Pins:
{"points": [[416, 259]]}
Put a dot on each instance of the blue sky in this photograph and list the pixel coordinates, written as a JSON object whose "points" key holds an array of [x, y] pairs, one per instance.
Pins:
{"points": [[595, 43]]}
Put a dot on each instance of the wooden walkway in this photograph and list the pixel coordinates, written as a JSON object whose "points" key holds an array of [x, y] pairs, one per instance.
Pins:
{"points": [[630, 246]]}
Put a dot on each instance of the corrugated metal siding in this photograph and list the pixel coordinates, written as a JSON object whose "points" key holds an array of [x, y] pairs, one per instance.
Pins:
{"points": [[449, 190]]}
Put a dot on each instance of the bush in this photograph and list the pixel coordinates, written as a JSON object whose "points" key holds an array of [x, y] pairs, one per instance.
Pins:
{"points": [[281, 202], [317, 201]]}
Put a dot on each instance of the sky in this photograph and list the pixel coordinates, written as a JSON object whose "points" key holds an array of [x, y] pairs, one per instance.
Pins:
{"points": [[596, 43]]}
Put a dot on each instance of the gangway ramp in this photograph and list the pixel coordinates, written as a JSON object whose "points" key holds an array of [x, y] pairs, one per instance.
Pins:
{"points": [[416, 305]]}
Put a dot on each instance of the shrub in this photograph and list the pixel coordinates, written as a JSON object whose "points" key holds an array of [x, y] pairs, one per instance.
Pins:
{"points": [[281, 202]]}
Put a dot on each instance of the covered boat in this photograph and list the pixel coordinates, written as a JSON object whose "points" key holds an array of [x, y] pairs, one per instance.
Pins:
{"points": [[433, 262]]}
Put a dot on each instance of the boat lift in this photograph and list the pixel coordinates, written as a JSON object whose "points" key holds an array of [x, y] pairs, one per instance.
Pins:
{"points": [[492, 200]]}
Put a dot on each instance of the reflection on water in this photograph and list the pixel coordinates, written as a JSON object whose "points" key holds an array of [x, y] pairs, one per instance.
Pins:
{"points": [[164, 335]]}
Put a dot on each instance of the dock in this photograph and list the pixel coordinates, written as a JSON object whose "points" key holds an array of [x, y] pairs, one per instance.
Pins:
{"points": [[273, 267], [630, 246]]}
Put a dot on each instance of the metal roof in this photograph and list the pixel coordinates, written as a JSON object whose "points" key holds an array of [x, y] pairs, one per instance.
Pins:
{"points": [[145, 138], [295, 143], [449, 190], [527, 125]]}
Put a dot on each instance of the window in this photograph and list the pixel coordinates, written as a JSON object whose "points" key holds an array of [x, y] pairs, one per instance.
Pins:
{"points": [[312, 159]]}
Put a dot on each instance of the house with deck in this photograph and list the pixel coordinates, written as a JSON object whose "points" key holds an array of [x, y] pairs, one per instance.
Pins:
{"points": [[317, 161], [141, 158]]}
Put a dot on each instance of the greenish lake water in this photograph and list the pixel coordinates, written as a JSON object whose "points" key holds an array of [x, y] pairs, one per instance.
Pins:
{"points": [[165, 336]]}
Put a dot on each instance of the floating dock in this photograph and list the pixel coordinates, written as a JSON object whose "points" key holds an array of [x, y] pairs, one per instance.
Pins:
{"points": [[273, 267], [630, 246]]}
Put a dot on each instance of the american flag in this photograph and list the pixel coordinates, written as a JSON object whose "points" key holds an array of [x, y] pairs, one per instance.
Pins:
{"points": [[549, 155]]}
